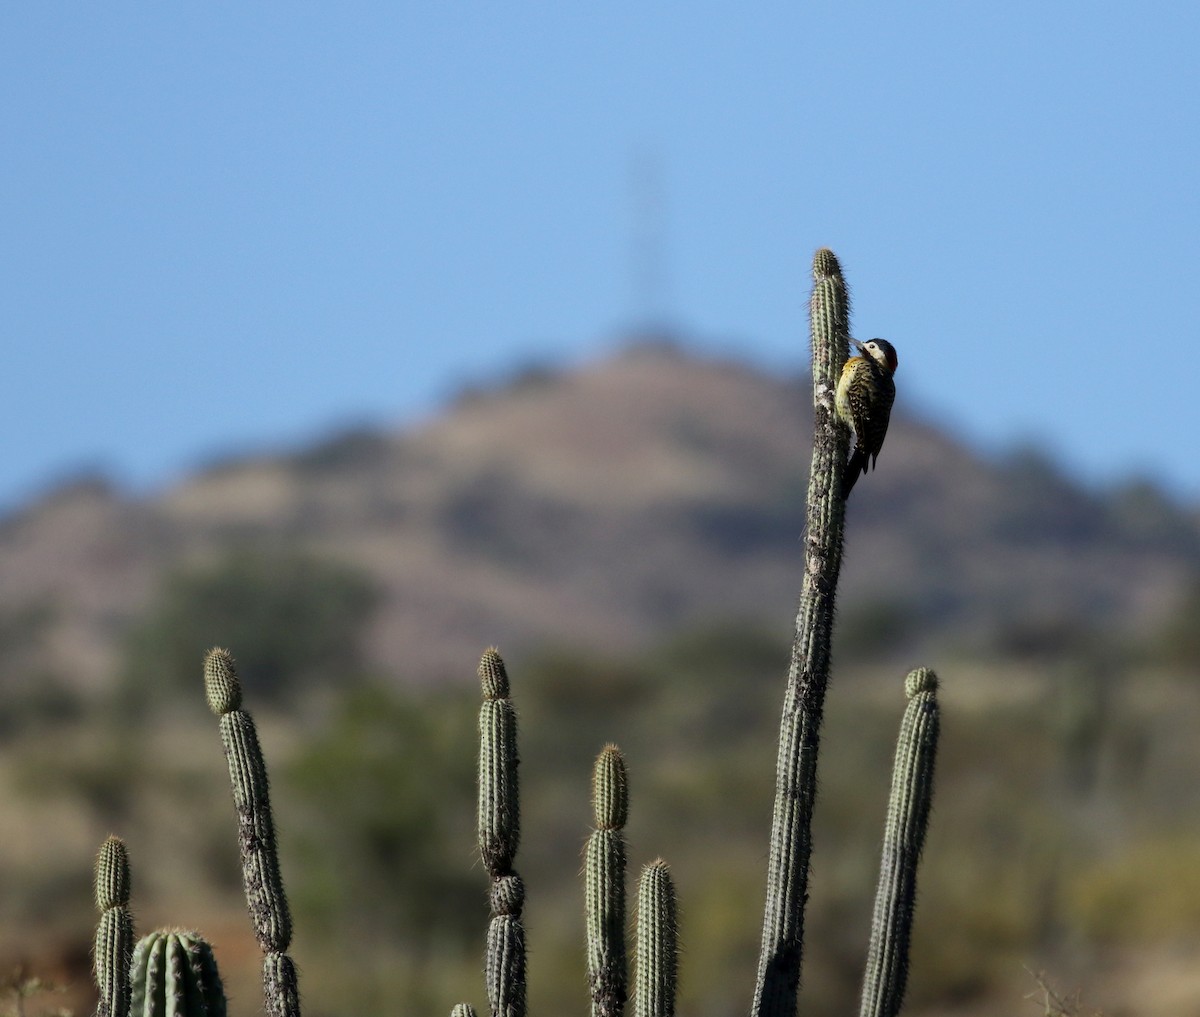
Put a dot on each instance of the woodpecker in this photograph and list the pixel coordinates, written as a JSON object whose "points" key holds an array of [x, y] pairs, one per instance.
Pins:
{"points": [[864, 399]]}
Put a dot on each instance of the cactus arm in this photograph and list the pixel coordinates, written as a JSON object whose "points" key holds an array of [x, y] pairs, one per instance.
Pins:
{"points": [[499, 833], [795, 783], [114, 931], [499, 793], [604, 877], [904, 837], [657, 943], [261, 879]]}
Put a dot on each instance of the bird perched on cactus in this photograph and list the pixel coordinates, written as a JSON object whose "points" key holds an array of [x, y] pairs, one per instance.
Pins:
{"points": [[865, 394]]}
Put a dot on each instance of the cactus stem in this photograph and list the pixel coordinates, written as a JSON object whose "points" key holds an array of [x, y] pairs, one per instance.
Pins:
{"points": [[261, 879], [604, 885], [114, 932], [499, 828], [808, 675], [904, 837], [657, 943]]}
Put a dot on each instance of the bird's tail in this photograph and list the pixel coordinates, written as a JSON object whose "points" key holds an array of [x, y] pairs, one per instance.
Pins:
{"points": [[854, 469]]}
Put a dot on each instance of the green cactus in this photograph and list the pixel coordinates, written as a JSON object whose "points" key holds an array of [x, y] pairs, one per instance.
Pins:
{"points": [[280, 986], [657, 947], [504, 962], [499, 799], [499, 832], [604, 869], [174, 974], [462, 1010], [808, 675], [114, 932], [907, 819], [263, 884]]}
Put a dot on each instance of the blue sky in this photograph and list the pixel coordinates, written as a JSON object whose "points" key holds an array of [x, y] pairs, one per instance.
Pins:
{"points": [[235, 226]]}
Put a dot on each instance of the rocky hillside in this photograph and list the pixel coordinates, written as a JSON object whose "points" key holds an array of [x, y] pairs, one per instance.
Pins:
{"points": [[602, 507]]}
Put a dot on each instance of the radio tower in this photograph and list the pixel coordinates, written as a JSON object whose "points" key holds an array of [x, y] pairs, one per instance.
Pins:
{"points": [[648, 275]]}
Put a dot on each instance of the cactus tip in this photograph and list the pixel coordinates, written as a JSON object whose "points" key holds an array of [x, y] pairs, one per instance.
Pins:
{"points": [[658, 874], [113, 847], [221, 684], [923, 679], [112, 874], [492, 675], [825, 264], [610, 789]]}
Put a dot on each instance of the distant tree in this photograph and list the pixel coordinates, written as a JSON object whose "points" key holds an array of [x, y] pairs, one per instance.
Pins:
{"points": [[288, 618]]}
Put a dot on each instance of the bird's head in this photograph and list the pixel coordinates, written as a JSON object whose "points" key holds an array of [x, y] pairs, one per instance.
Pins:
{"points": [[881, 351]]}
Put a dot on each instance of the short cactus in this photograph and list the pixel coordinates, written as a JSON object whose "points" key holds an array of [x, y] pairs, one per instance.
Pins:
{"points": [[174, 974], [657, 943], [907, 819], [263, 884], [604, 876], [114, 932]]}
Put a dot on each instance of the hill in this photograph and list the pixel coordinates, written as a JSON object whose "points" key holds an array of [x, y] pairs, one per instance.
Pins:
{"points": [[647, 492]]}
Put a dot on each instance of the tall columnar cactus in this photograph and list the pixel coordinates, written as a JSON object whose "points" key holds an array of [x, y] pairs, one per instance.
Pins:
{"points": [[499, 831], [174, 974], [796, 778], [114, 932], [604, 869], [907, 819], [256, 834], [657, 946]]}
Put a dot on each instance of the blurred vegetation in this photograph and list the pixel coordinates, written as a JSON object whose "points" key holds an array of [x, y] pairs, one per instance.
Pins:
{"points": [[295, 620], [380, 808], [33, 695], [25, 995], [1178, 642], [1062, 826], [875, 630]]}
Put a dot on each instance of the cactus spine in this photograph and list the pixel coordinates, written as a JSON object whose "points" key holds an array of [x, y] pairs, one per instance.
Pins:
{"points": [[114, 932], [808, 675], [175, 975], [256, 834], [499, 832], [907, 819], [604, 868], [657, 948]]}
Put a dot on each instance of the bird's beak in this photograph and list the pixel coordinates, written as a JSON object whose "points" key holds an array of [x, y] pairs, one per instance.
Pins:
{"points": [[857, 345]]}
